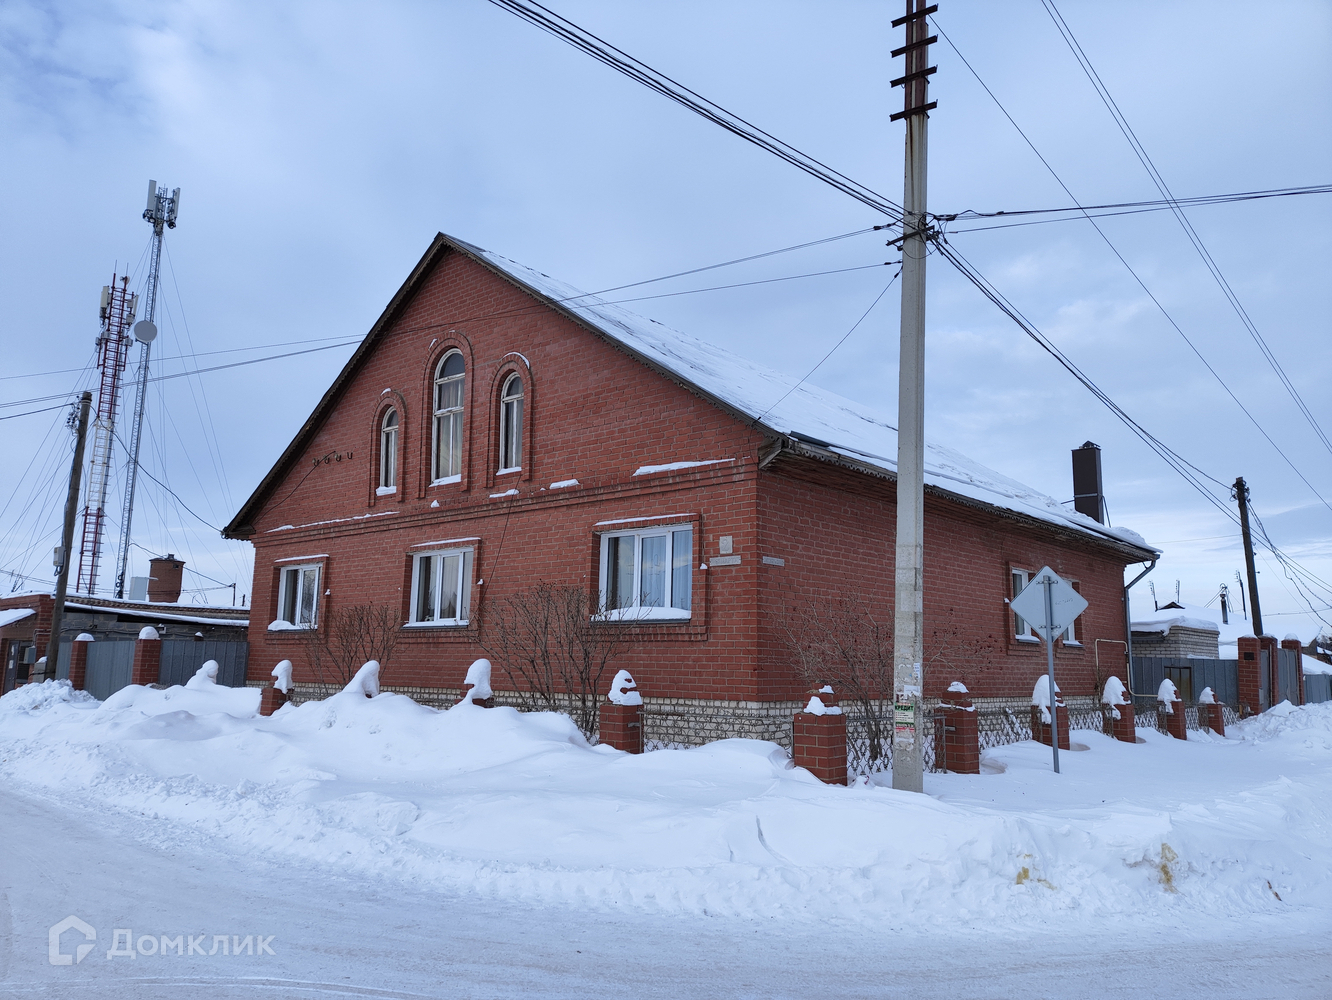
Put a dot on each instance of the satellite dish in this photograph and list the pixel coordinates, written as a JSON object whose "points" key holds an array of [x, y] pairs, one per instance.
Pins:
{"points": [[145, 331]]}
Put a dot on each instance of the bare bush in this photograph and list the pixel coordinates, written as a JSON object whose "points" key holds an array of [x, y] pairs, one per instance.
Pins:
{"points": [[346, 639], [553, 651]]}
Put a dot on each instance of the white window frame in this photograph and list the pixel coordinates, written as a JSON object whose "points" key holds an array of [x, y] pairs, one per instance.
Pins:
{"points": [[638, 612], [1070, 634], [451, 414], [388, 452], [511, 426], [438, 561], [1026, 633], [286, 574]]}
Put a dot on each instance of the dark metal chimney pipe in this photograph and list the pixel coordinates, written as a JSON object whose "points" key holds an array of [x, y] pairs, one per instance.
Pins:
{"points": [[1088, 493]]}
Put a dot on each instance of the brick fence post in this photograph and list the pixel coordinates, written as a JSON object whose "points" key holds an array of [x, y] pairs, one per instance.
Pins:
{"points": [[956, 733], [78, 661], [1040, 730], [1292, 642], [275, 697], [1121, 718], [1211, 716], [147, 657], [620, 723], [1249, 680], [818, 737], [1176, 724]]}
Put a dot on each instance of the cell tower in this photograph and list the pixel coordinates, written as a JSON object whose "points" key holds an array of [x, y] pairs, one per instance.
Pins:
{"points": [[116, 314], [161, 213]]}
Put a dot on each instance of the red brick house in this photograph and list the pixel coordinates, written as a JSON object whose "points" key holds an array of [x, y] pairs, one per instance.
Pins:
{"points": [[496, 428]]}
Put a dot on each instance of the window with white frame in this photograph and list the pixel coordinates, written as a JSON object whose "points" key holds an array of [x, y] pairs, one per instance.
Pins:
{"points": [[647, 573], [298, 596], [441, 587], [1070, 634], [388, 452], [1021, 627], [511, 425], [450, 377]]}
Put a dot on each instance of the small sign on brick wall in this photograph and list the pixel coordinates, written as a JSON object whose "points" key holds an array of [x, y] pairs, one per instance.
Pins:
{"points": [[724, 561]]}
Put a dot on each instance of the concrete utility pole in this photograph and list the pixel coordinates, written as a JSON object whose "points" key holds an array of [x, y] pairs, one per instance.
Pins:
{"points": [[909, 615], [1242, 496], [67, 536]]}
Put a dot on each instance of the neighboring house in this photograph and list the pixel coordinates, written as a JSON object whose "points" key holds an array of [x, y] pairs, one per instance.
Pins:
{"points": [[497, 428], [25, 627], [1177, 630]]}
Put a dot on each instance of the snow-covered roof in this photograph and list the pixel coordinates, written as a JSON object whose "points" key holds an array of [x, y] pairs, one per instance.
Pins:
{"points": [[1313, 665], [150, 611], [1164, 625], [12, 615], [800, 410]]}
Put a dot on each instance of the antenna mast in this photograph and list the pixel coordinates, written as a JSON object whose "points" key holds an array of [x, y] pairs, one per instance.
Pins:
{"points": [[161, 213], [116, 313]]}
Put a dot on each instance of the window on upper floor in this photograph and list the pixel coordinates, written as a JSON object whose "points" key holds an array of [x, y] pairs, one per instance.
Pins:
{"points": [[441, 591], [647, 574], [298, 596], [388, 452], [446, 461], [1022, 629], [511, 425]]}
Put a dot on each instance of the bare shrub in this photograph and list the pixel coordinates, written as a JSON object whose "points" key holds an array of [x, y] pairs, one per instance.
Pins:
{"points": [[553, 651], [348, 637]]}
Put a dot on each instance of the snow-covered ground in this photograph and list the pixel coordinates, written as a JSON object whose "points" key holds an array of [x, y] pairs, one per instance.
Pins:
{"points": [[391, 849]]}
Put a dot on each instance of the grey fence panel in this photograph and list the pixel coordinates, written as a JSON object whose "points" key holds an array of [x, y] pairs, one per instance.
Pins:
{"points": [[1190, 674], [62, 661], [1317, 688], [181, 659], [1264, 680], [110, 666], [1288, 676]]}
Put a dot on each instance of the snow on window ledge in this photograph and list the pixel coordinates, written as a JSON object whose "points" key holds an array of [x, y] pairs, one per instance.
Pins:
{"points": [[631, 615], [564, 484], [285, 626], [505, 472], [446, 480], [383, 491], [1027, 638], [446, 623], [1073, 643]]}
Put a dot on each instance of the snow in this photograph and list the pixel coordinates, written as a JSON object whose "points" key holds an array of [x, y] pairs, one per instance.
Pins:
{"points": [[160, 616], [148, 632], [283, 626], [957, 687], [12, 615], [647, 470], [506, 493], [365, 682], [336, 520], [1313, 665], [477, 681], [799, 409], [383, 491], [817, 707], [1040, 696], [1167, 694], [1207, 697], [205, 677], [282, 676], [84, 637], [450, 816], [652, 517], [622, 690], [1114, 692], [564, 484], [1164, 625]]}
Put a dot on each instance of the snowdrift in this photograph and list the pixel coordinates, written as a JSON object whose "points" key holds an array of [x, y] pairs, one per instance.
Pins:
{"points": [[521, 806]]}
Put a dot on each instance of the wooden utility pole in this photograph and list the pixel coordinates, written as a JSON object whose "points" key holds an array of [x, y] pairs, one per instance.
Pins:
{"points": [[67, 537], [1242, 497], [909, 613]]}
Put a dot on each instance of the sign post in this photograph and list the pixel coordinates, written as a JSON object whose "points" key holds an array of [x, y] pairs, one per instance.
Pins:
{"points": [[1051, 600]]}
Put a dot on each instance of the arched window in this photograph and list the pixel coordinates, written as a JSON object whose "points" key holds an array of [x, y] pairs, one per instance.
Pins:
{"points": [[511, 425], [388, 452], [446, 465]]}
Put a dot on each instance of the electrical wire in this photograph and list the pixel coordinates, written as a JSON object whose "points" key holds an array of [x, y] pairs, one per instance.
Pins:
{"points": [[1103, 92], [620, 61]]}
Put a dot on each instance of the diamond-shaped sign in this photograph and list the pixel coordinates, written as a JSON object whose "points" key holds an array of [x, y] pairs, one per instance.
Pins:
{"points": [[1065, 604]]}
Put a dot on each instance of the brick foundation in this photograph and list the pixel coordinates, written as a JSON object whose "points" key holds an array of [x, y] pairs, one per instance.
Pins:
{"points": [[1176, 722], [147, 661], [622, 727], [78, 664], [1213, 717]]}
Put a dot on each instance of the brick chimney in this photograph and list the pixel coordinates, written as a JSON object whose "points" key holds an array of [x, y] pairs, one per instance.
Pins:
{"points": [[164, 579]]}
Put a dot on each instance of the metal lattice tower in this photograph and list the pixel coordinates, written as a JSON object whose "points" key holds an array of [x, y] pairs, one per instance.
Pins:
{"points": [[161, 213], [117, 313]]}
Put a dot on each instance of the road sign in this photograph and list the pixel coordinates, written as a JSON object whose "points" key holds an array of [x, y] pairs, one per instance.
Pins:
{"points": [[1065, 604]]}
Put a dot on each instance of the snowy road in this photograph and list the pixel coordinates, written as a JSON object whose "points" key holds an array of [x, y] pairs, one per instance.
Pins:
{"points": [[339, 935]]}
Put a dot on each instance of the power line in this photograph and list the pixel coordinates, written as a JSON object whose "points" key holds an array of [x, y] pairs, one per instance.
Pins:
{"points": [[620, 61], [1140, 151], [1141, 284]]}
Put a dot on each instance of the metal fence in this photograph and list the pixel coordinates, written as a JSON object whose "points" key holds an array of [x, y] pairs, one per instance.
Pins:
{"points": [[181, 659], [1190, 675], [110, 666], [1317, 688]]}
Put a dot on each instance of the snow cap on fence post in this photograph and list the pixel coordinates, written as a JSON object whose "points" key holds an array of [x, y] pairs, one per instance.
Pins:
{"points": [[275, 697], [1210, 714], [366, 681], [818, 737], [282, 676], [205, 676], [477, 685], [1049, 723], [1040, 697], [1207, 697], [623, 690], [1121, 725], [1167, 694]]}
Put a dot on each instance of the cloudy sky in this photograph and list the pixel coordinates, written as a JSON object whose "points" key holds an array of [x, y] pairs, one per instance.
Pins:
{"points": [[320, 146]]}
